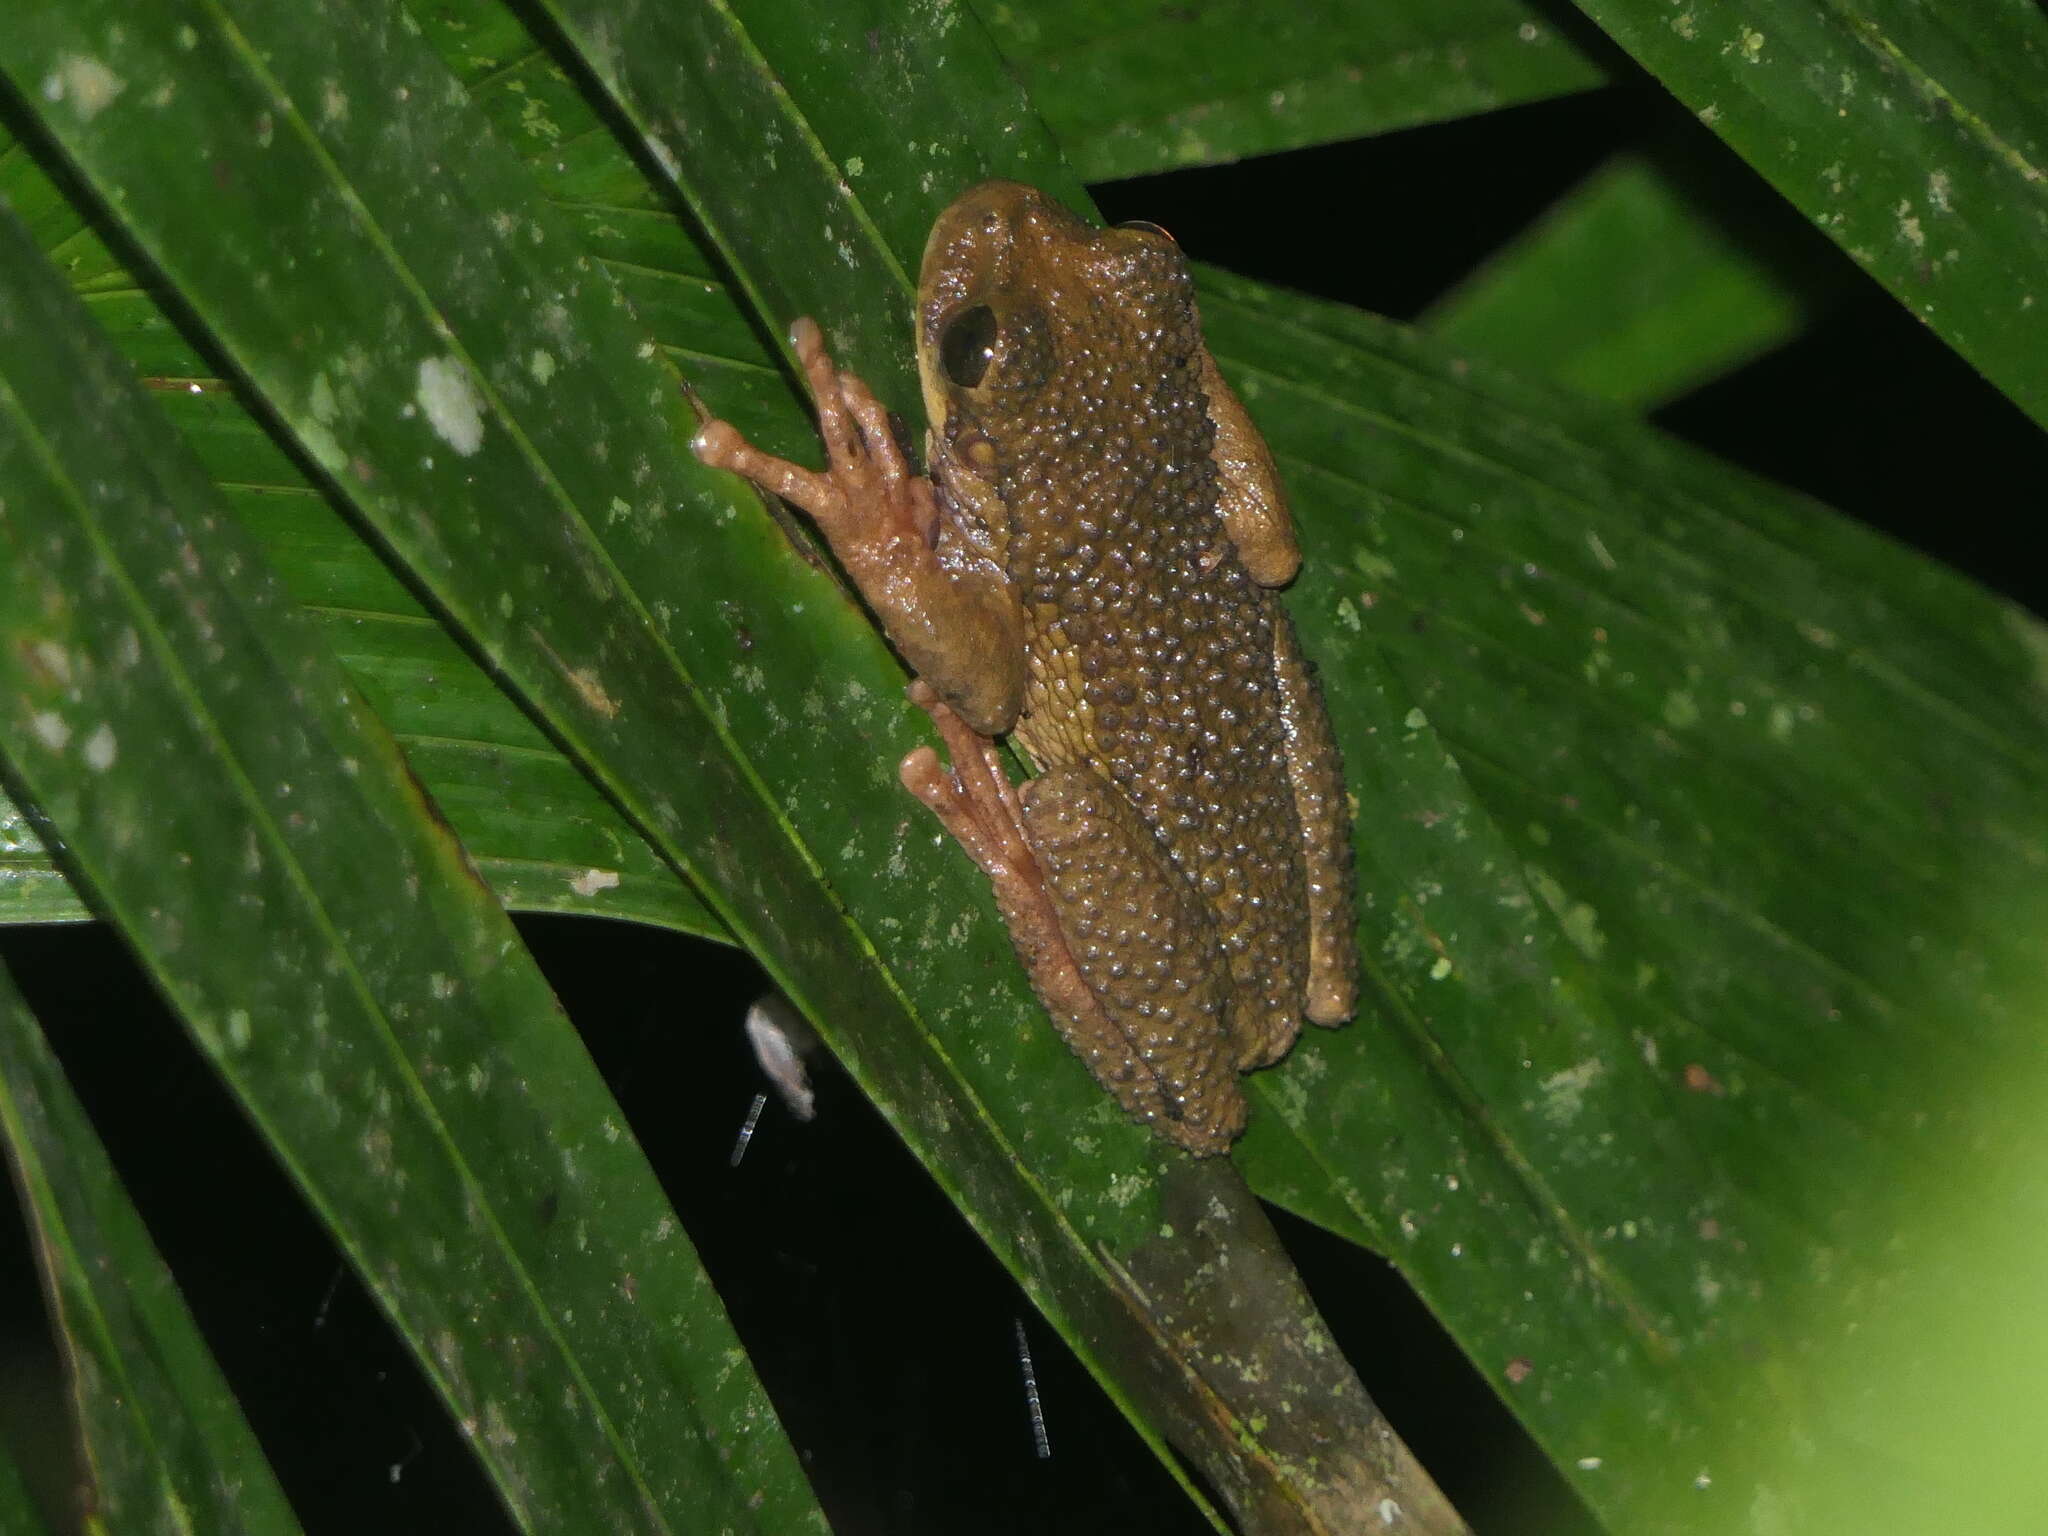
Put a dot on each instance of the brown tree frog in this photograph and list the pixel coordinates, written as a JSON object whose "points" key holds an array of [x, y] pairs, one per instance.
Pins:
{"points": [[1089, 570]]}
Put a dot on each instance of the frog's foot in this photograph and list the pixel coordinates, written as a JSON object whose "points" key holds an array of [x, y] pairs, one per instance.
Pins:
{"points": [[869, 501]]}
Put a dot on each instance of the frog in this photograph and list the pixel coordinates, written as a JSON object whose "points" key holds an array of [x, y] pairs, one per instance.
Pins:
{"points": [[1089, 566]]}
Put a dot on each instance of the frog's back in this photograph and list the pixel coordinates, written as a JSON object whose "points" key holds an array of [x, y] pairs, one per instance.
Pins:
{"points": [[1150, 649]]}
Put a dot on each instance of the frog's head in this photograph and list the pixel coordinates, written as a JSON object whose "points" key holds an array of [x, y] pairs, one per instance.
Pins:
{"points": [[1033, 328]]}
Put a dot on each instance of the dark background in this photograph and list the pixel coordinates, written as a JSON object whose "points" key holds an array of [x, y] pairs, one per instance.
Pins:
{"points": [[884, 1333]]}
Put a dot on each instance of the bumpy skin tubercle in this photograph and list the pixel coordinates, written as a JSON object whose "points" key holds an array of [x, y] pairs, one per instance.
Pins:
{"points": [[1088, 569]]}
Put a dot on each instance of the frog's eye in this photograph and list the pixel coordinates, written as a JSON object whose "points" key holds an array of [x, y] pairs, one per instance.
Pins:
{"points": [[968, 346]]}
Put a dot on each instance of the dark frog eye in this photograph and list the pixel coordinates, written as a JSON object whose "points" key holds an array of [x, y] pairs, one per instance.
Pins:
{"points": [[968, 346]]}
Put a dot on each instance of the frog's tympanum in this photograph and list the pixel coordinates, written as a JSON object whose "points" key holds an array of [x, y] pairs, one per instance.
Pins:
{"points": [[1089, 570]]}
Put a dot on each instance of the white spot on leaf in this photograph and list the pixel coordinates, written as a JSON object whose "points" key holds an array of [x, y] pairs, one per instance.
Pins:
{"points": [[1909, 227], [99, 749], [1681, 709], [51, 730], [86, 83], [54, 660], [449, 400], [1564, 1092]]}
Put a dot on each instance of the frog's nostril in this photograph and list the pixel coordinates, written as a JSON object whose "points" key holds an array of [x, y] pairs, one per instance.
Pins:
{"points": [[968, 346]]}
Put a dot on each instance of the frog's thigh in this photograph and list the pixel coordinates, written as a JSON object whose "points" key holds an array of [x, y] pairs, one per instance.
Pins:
{"points": [[1149, 952], [1316, 773]]}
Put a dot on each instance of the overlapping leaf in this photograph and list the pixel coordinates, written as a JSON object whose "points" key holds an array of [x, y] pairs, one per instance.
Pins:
{"points": [[239, 815], [538, 831], [1914, 136], [1134, 87], [164, 1442], [1631, 288]]}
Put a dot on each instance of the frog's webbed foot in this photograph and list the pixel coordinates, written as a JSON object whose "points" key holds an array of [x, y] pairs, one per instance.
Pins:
{"points": [[1151, 1035], [949, 612]]}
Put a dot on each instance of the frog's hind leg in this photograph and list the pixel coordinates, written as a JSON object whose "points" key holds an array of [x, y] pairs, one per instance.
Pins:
{"points": [[1103, 925], [1316, 772], [1150, 952]]}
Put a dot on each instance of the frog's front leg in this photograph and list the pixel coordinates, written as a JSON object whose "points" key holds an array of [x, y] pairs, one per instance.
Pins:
{"points": [[1106, 926], [1252, 500], [949, 611]]}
